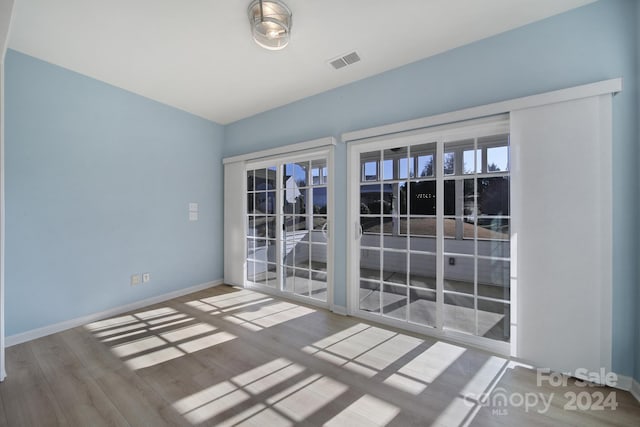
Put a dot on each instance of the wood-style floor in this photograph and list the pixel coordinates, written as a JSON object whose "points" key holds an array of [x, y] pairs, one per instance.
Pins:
{"points": [[228, 356]]}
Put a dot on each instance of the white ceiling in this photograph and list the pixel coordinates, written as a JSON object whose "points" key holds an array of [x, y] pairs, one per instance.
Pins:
{"points": [[198, 55]]}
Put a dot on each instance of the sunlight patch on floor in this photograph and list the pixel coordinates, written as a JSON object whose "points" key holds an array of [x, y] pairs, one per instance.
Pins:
{"points": [[366, 411], [269, 315], [153, 358], [210, 402], [257, 416], [308, 396], [264, 377], [432, 362]]}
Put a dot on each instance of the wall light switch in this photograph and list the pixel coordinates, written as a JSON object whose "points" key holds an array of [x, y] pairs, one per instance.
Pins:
{"points": [[146, 277], [193, 216], [193, 207]]}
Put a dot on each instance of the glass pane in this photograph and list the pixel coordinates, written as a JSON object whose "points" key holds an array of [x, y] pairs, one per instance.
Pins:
{"points": [[498, 159], [402, 198], [250, 248], [302, 282], [289, 280], [319, 285], [425, 165], [422, 227], [288, 225], [422, 307], [250, 184], [422, 198], [271, 251], [470, 208], [452, 196], [387, 198], [452, 228], [423, 270], [258, 226], [404, 168], [387, 169], [370, 199], [394, 301], [318, 172], [388, 225], [369, 294], [272, 277], [493, 228], [370, 264], [494, 278], [319, 222], [271, 180], [369, 166], [404, 225], [454, 248], [423, 243], [250, 271], [263, 203], [302, 223], [320, 200], [494, 319], [459, 314], [459, 274], [295, 200], [472, 163], [422, 160], [449, 163], [371, 229], [298, 171], [394, 241], [271, 227], [494, 248], [302, 255], [319, 257], [260, 273], [260, 179], [393, 158], [250, 203], [289, 256], [251, 224], [493, 196], [395, 267]]}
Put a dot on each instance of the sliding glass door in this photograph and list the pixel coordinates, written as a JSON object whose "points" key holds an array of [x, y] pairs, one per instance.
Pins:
{"points": [[287, 226], [433, 246]]}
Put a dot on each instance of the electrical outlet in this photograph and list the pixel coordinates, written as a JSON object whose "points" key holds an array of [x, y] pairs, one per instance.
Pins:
{"points": [[146, 277], [135, 279]]}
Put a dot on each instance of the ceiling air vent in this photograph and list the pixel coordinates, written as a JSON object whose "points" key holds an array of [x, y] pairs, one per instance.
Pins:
{"points": [[344, 60]]}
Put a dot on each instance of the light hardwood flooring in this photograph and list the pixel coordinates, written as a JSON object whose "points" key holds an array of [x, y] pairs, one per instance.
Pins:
{"points": [[229, 356]]}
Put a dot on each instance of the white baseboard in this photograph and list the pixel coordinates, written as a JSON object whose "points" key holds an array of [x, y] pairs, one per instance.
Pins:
{"points": [[635, 389], [339, 309], [628, 384], [624, 383], [72, 323]]}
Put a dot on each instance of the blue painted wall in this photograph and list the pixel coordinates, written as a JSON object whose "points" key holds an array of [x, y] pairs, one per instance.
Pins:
{"points": [[593, 43], [98, 182]]}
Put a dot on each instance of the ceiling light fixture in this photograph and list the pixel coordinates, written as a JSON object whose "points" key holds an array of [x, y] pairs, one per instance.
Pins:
{"points": [[270, 23]]}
